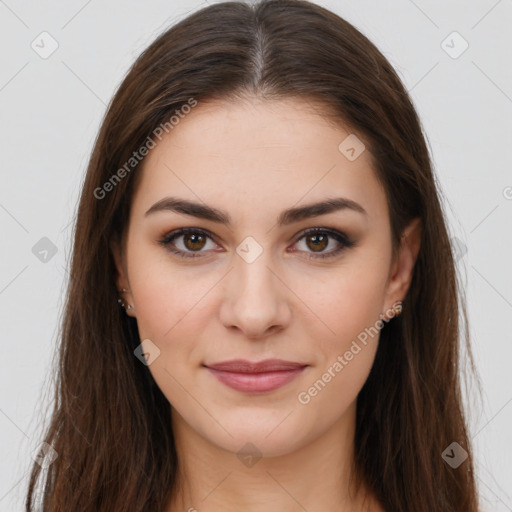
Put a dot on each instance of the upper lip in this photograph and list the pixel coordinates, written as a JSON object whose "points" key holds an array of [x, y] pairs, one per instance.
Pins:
{"points": [[244, 366]]}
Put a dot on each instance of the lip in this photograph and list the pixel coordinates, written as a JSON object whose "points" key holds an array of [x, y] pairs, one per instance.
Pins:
{"points": [[256, 377], [244, 366]]}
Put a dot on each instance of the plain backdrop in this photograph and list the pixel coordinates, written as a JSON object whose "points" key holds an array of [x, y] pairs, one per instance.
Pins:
{"points": [[454, 58]]}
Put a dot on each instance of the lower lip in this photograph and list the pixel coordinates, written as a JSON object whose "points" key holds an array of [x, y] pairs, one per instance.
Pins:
{"points": [[256, 382]]}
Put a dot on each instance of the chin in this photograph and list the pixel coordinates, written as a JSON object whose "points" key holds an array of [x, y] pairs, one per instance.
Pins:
{"points": [[266, 437]]}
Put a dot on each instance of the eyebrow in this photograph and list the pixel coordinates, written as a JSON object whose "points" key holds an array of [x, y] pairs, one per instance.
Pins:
{"points": [[286, 217]]}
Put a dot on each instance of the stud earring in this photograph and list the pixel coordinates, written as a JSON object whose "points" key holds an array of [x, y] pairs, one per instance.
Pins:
{"points": [[127, 307], [398, 308]]}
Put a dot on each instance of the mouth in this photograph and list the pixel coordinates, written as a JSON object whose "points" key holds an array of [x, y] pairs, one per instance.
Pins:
{"points": [[256, 377]]}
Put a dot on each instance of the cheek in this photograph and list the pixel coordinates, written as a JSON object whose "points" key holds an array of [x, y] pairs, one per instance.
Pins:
{"points": [[169, 307], [346, 338], [165, 295], [344, 357], [173, 307], [344, 305]]}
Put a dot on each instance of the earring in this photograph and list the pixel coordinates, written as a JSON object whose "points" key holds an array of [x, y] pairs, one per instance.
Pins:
{"points": [[121, 301], [398, 308]]}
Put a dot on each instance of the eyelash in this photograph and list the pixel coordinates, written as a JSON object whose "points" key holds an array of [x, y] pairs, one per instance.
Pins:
{"points": [[340, 237]]}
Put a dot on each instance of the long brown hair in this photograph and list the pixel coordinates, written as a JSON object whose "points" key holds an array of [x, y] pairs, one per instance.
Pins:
{"points": [[111, 424]]}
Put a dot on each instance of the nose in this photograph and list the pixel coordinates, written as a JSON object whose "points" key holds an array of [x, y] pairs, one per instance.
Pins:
{"points": [[256, 301]]}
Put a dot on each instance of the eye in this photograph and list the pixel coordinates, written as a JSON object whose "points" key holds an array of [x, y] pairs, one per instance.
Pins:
{"points": [[194, 240], [319, 239]]}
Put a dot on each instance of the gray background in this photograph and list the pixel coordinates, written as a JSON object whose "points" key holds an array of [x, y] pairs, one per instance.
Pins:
{"points": [[51, 109]]}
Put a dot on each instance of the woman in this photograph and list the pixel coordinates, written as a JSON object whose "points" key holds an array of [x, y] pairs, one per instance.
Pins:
{"points": [[263, 310]]}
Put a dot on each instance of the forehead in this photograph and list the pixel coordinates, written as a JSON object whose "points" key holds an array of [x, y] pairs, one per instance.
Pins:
{"points": [[254, 152]]}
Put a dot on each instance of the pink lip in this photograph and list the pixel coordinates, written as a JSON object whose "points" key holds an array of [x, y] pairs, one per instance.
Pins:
{"points": [[258, 377]]}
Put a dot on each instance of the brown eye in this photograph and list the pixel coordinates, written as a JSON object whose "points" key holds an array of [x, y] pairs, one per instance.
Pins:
{"points": [[188, 242], [317, 240], [194, 241]]}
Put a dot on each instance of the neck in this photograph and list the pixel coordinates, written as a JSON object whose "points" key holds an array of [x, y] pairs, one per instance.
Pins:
{"points": [[313, 476]]}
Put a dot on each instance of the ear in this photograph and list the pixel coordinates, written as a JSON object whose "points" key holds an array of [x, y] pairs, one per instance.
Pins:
{"points": [[121, 277], [121, 274], [403, 266]]}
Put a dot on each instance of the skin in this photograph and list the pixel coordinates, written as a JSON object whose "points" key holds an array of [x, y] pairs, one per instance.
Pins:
{"points": [[253, 159]]}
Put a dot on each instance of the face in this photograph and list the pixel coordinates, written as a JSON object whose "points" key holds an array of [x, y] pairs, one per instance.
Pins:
{"points": [[249, 281]]}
